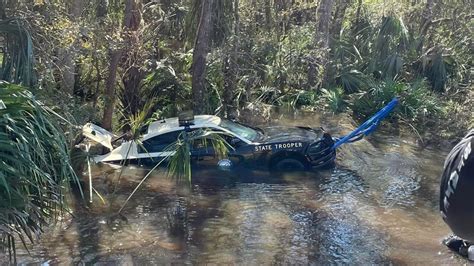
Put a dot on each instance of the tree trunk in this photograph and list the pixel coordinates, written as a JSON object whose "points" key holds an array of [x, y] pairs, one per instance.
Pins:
{"points": [[322, 36], [427, 17], [76, 9], [124, 57], [201, 49], [3, 14], [109, 99], [324, 17], [133, 15], [336, 26], [359, 7], [230, 69], [68, 55], [102, 8], [67, 68], [312, 70], [256, 16], [133, 75], [268, 15]]}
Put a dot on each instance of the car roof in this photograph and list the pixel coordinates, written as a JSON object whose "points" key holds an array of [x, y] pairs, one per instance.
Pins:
{"points": [[171, 124]]}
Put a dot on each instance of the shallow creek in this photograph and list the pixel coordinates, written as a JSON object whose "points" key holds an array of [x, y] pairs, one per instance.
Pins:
{"points": [[378, 205]]}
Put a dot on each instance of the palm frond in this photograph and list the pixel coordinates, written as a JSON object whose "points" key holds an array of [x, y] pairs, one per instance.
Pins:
{"points": [[179, 156], [392, 65], [35, 167], [392, 39], [17, 65], [353, 80], [435, 70], [179, 165]]}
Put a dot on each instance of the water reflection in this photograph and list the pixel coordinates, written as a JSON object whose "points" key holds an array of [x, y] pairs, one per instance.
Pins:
{"points": [[87, 229], [379, 205]]}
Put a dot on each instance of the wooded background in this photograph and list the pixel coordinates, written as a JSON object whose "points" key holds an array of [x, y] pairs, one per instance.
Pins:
{"points": [[105, 60], [120, 63]]}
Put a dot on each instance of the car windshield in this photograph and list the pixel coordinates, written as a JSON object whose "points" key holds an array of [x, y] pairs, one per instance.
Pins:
{"points": [[240, 130]]}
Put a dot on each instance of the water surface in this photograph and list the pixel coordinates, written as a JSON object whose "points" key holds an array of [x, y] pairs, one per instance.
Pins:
{"points": [[378, 205]]}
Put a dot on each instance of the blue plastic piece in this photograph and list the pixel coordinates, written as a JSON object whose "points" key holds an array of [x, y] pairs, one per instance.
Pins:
{"points": [[368, 126]]}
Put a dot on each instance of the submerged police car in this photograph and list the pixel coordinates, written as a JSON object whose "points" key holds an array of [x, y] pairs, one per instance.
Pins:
{"points": [[276, 148]]}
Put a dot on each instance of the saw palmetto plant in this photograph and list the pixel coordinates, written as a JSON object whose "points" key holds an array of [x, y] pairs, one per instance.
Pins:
{"points": [[35, 171], [179, 165], [16, 65]]}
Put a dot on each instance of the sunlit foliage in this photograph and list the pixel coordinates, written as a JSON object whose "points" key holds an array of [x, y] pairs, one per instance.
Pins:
{"points": [[35, 171]]}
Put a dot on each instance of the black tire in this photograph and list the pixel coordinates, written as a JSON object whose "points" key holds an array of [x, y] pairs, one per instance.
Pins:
{"points": [[288, 164]]}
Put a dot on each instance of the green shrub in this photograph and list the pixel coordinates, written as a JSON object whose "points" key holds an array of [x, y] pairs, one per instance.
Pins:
{"points": [[417, 102], [297, 99], [372, 100], [306, 98], [35, 169], [334, 100]]}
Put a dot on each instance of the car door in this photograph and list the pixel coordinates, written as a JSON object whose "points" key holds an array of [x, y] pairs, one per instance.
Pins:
{"points": [[205, 154], [202, 150], [154, 149]]}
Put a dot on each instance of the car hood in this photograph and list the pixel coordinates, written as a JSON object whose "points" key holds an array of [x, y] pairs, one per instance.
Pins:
{"points": [[98, 135], [282, 134]]}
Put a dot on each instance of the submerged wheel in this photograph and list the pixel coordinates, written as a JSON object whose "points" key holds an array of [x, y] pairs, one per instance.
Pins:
{"points": [[289, 164]]}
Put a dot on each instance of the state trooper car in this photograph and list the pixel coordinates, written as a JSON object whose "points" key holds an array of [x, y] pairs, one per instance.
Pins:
{"points": [[276, 148]]}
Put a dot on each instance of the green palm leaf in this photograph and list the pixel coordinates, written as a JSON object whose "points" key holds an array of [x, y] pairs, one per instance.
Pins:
{"points": [[35, 170], [17, 65]]}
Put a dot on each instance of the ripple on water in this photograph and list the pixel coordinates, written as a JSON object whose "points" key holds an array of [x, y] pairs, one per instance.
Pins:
{"points": [[377, 206]]}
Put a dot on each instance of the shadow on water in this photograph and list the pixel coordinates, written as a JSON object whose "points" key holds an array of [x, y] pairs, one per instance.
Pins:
{"points": [[377, 206], [87, 227]]}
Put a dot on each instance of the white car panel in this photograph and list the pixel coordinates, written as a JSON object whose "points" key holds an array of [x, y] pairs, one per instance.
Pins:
{"points": [[129, 149], [98, 135]]}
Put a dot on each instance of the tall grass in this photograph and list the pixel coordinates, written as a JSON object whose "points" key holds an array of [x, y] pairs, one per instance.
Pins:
{"points": [[35, 169], [17, 64]]}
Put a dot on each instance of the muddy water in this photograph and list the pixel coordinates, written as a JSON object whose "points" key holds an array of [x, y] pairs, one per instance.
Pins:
{"points": [[378, 205]]}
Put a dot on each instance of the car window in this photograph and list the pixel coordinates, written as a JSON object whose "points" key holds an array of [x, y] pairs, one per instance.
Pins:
{"points": [[232, 140], [201, 144], [159, 143], [240, 130], [206, 143]]}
